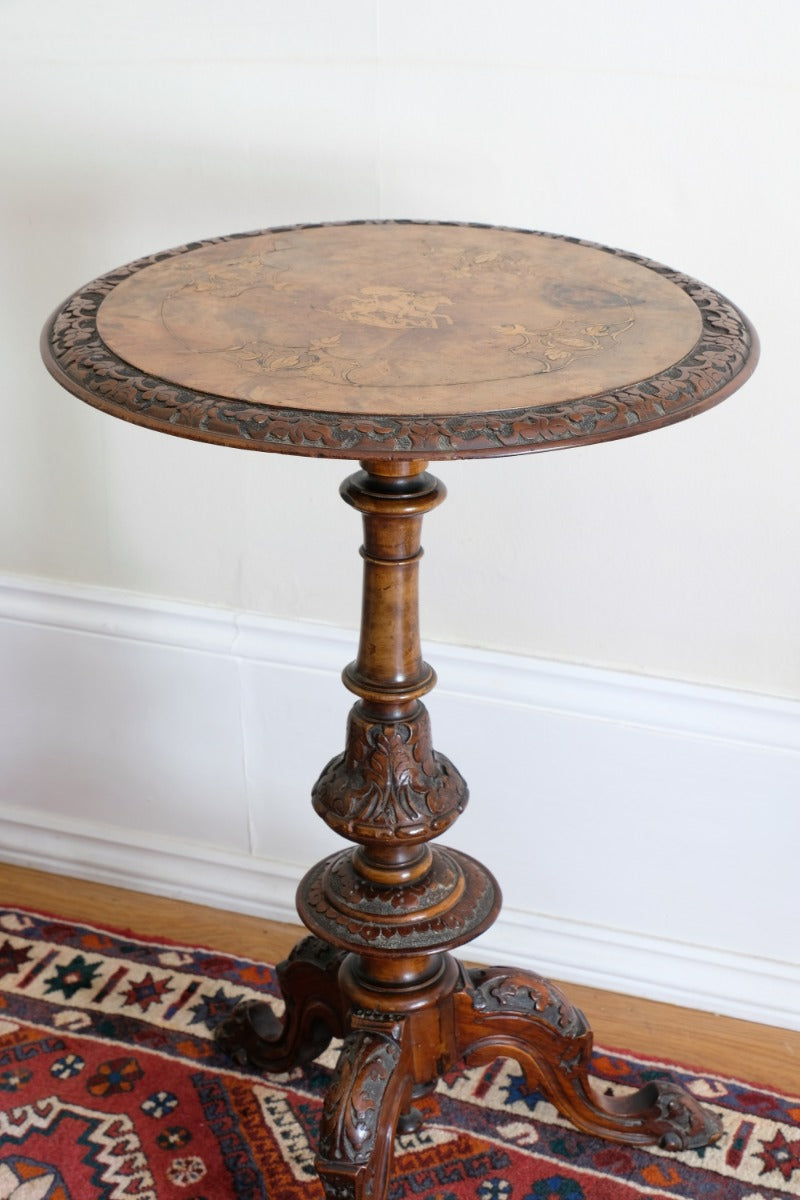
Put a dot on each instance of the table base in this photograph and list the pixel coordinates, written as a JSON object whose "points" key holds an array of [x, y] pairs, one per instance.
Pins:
{"points": [[384, 916], [390, 1058]]}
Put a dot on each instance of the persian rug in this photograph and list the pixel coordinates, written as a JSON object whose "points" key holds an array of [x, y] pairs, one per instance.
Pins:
{"points": [[111, 1088]]}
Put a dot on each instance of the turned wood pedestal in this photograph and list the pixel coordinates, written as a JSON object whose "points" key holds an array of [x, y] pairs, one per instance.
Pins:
{"points": [[397, 344]]}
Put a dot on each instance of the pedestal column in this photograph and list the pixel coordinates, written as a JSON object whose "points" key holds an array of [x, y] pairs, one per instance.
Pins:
{"points": [[395, 903], [385, 913]]}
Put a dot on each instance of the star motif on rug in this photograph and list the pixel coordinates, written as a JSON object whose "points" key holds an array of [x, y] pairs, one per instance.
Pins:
{"points": [[211, 1009], [12, 958], [780, 1155], [516, 1088], [75, 975], [147, 991]]}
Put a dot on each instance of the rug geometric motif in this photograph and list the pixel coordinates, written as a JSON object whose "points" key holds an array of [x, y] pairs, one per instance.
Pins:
{"points": [[111, 1088]]}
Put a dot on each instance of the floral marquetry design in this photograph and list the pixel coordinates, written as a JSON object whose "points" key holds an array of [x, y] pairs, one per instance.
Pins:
{"points": [[393, 308], [379, 340], [554, 349]]}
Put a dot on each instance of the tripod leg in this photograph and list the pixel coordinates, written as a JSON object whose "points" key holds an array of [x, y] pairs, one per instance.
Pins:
{"points": [[371, 1089], [517, 1014], [253, 1036]]}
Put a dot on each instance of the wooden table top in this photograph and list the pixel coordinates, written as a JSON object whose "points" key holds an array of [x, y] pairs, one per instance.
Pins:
{"points": [[380, 340]]}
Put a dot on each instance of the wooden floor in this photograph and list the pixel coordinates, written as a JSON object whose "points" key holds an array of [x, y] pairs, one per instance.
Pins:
{"points": [[758, 1053]]}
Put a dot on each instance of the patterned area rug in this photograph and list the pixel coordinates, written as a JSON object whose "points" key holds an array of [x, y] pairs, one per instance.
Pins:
{"points": [[111, 1088]]}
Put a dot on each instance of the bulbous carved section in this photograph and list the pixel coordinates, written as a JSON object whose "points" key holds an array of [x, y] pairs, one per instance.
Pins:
{"points": [[389, 784]]}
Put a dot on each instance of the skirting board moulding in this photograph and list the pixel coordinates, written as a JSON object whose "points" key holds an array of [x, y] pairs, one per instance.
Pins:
{"points": [[677, 740]]}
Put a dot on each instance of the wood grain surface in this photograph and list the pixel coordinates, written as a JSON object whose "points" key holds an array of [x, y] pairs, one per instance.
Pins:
{"points": [[398, 340], [399, 320]]}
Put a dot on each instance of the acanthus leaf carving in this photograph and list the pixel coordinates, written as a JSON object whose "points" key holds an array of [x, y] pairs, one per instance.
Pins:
{"points": [[389, 782], [524, 994], [352, 1107]]}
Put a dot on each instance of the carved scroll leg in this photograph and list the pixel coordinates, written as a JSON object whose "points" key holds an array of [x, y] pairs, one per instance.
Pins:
{"points": [[371, 1088], [253, 1036], [519, 1015]]}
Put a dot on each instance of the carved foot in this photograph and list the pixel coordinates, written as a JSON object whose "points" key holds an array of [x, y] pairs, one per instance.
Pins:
{"points": [[672, 1116], [362, 1110], [520, 1015], [254, 1037]]}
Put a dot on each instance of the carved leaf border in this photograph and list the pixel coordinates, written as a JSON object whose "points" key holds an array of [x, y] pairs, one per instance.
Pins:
{"points": [[722, 358]]}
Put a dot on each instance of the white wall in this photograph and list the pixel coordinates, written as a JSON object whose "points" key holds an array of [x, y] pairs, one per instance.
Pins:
{"points": [[666, 129], [670, 130]]}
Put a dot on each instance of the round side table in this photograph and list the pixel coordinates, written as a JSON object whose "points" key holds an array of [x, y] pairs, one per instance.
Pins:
{"points": [[398, 343]]}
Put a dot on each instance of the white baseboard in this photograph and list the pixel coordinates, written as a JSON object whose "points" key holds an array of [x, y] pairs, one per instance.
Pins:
{"points": [[171, 749]]}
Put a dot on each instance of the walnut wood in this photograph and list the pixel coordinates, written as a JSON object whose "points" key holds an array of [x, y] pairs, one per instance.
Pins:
{"points": [[390, 791], [404, 318], [309, 981], [395, 906], [519, 1015], [399, 342], [404, 340]]}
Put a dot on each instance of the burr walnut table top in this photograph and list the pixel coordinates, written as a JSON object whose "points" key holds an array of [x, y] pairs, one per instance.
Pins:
{"points": [[383, 340]]}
